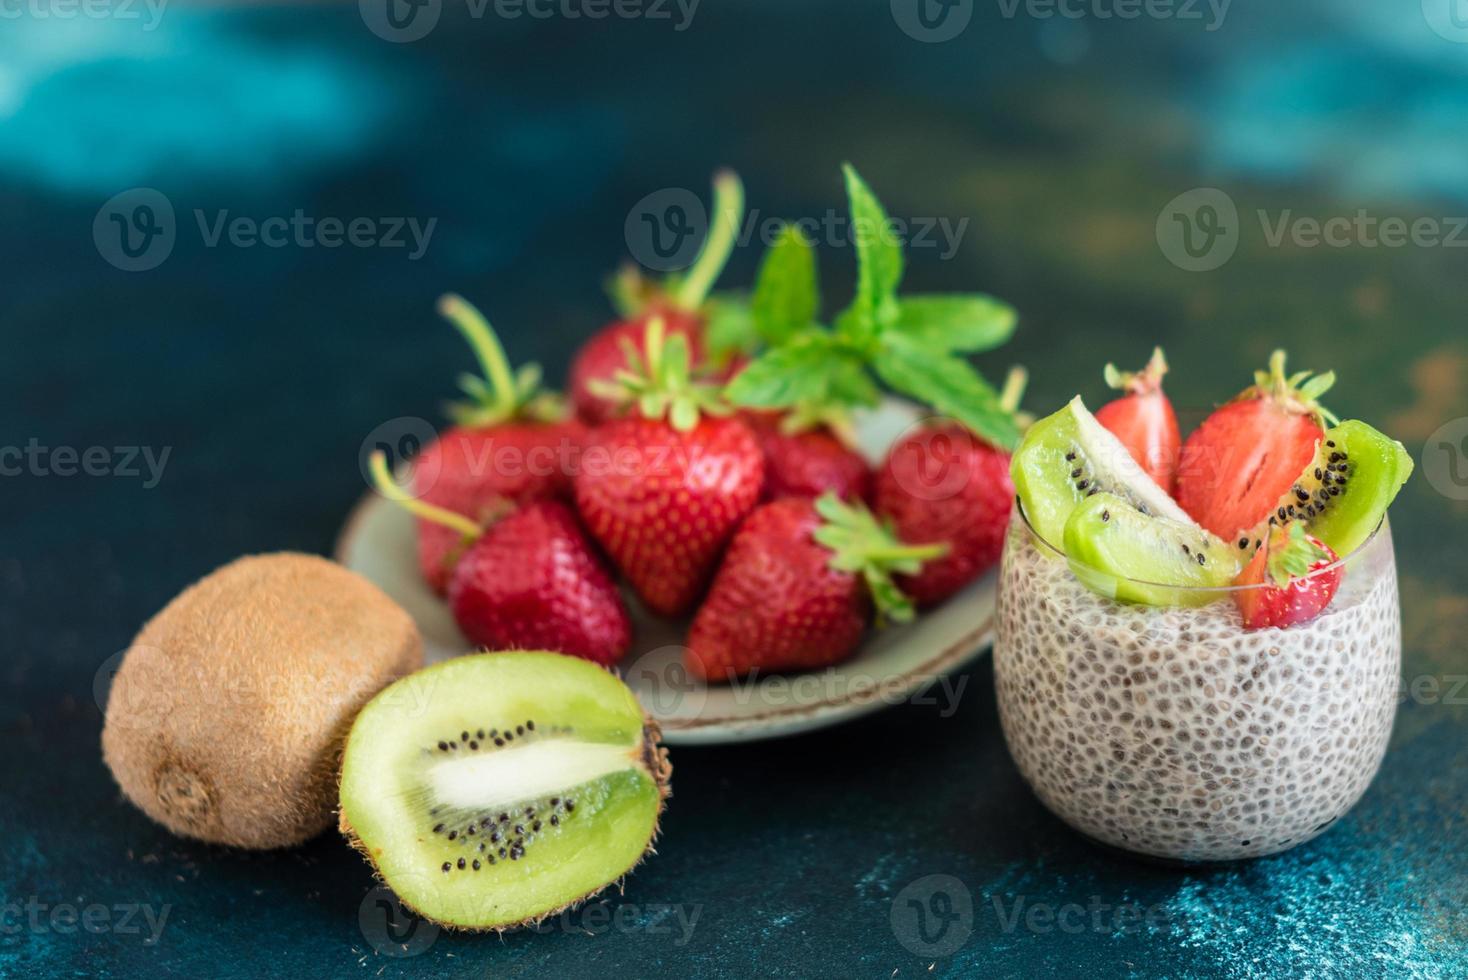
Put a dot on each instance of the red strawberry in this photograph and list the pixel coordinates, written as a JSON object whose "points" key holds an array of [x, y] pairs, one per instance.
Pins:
{"points": [[680, 304], [1246, 455], [808, 462], [528, 579], [1143, 419], [943, 483], [1287, 583], [508, 445], [664, 492], [796, 589]]}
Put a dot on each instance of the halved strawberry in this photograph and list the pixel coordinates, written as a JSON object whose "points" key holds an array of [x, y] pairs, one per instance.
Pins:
{"points": [[1287, 582], [1143, 419], [1246, 455], [679, 303]]}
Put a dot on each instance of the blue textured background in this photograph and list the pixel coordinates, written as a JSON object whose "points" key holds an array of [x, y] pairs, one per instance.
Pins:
{"points": [[263, 369]]}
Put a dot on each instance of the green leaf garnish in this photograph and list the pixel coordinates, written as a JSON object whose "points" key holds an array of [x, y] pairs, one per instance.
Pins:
{"points": [[969, 323], [950, 385], [787, 296], [879, 263], [728, 327]]}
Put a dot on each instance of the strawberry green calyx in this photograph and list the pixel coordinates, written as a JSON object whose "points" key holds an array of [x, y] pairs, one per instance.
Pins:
{"points": [[1299, 392], [660, 382], [1292, 554], [501, 395], [1143, 382], [860, 545], [384, 484]]}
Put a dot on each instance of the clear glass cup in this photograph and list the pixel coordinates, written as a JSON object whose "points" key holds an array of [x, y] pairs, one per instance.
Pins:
{"points": [[1175, 733]]}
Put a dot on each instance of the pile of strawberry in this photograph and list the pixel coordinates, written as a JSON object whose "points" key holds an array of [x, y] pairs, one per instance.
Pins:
{"points": [[710, 465], [1232, 471]]}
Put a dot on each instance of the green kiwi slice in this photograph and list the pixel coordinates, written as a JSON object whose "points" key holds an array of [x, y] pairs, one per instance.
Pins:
{"points": [[492, 790], [1123, 554], [1344, 493], [1069, 457]]}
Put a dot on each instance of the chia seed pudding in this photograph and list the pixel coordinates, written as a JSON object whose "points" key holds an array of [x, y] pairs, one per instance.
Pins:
{"points": [[1176, 733]]}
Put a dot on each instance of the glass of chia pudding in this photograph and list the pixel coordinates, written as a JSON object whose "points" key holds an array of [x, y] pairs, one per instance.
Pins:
{"points": [[1200, 663]]}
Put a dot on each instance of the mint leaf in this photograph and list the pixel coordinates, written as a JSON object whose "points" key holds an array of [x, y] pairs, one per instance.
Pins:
{"points": [[798, 371], [947, 383], [786, 295], [878, 258], [972, 322]]}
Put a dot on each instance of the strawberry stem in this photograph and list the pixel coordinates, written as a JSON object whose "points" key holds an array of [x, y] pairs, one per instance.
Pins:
{"points": [[383, 482], [1014, 389], [718, 245], [1143, 382], [1293, 392]]}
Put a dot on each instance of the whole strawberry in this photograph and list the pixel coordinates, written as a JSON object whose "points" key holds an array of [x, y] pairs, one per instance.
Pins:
{"points": [[943, 483], [528, 579], [808, 461], [1290, 579], [680, 304], [797, 588], [510, 443], [664, 491], [1236, 466], [1143, 419]]}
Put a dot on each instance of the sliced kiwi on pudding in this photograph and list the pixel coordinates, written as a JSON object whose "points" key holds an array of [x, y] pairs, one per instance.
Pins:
{"points": [[1069, 457], [1344, 493], [492, 790], [1124, 554]]}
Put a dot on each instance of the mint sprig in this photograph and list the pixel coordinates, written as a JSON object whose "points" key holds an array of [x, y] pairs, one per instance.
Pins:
{"points": [[913, 344]]}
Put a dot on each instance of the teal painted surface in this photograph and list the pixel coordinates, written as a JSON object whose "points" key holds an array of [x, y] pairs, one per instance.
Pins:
{"points": [[263, 369]]}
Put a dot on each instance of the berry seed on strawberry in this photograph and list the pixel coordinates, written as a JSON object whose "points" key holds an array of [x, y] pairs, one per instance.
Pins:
{"points": [[797, 588], [663, 491], [679, 303], [527, 579], [510, 442]]}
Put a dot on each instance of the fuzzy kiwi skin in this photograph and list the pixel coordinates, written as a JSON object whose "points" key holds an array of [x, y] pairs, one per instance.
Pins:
{"points": [[226, 720]]}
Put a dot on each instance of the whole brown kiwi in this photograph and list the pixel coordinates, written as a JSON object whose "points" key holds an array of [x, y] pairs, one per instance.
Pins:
{"points": [[226, 720]]}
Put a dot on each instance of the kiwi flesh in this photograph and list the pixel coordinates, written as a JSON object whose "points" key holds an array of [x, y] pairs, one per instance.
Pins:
{"points": [[493, 790], [1344, 493], [1069, 457], [1123, 554], [226, 718]]}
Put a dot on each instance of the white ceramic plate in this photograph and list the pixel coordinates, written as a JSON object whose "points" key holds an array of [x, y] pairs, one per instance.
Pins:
{"points": [[377, 541]]}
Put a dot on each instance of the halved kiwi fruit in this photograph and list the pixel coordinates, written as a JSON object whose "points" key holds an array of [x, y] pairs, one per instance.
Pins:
{"points": [[1123, 554], [495, 789], [1069, 457], [1345, 491]]}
